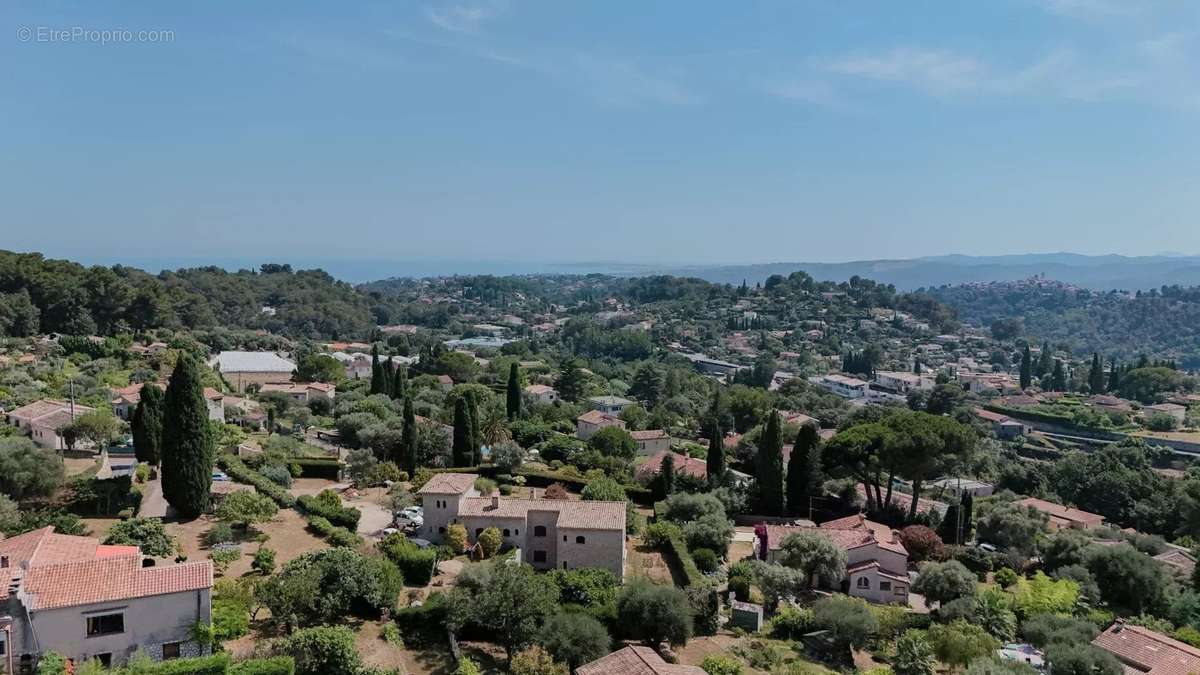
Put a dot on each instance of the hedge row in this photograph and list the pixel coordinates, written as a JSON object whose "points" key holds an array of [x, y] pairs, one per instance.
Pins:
{"points": [[701, 594], [342, 516], [221, 664], [276, 665], [317, 467], [337, 536], [635, 493], [238, 471]]}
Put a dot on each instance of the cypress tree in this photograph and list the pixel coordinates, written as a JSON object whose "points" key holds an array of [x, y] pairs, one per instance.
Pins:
{"points": [[715, 460], [513, 400], [461, 450], [770, 467], [476, 432], [804, 472], [1058, 380], [187, 444], [1096, 375], [1045, 364], [147, 425], [1026, 369], [667, 475], [376, 371], [408, 437], [400, 382], [1114, 375], [388, 377]]}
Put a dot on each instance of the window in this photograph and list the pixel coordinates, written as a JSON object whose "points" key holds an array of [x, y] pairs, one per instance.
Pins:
{"points": [[538, 556], [441, 530], [478, 531], [564, 537], [580, 540], [863, 582], [104, 659], [506, 532], [171, 650], [885, 585], [564, 564], [3, 561], [539, 531], [105, 624]]}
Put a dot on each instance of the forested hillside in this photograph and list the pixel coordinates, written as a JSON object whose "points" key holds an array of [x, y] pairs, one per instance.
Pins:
{"points": [[59, 296], [1161, 323]]}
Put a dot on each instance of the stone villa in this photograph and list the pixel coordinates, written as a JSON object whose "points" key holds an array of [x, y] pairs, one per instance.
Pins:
{"points": [[551, 533]]}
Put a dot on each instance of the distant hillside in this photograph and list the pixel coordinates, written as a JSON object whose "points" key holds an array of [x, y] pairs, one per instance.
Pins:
{"points": [[1096, 272], [1160, 323]]}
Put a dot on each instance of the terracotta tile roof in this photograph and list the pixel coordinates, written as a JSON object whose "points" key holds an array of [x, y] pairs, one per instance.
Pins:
{"points": [[111, 578], [847, 533], [597, 417], [648, 435], [582, 515], [1147, 651], [635, 661], [539, 389], [448, 484], [874, 564], [45, 546], [683, 464], [62, 570], [1064, 513], [990, 416]]}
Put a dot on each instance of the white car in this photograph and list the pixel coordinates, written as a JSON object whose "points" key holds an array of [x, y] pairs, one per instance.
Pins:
{"points": [[411, 511]]}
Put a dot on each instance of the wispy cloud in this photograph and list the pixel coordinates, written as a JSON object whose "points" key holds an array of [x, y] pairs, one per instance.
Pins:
{"points": [[807, 90], [934, 71], [465, 18], [1091, 9], [608, 78]]}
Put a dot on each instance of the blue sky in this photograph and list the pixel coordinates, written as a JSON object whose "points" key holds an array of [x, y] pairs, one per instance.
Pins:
{"points": [[601, 131]]}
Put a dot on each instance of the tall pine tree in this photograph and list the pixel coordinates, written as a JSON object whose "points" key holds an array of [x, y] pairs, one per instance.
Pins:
{"points": [[1114, 376], [187, 443], [389, 377], [1026, 368], [512, 401], [400, 382], [408, 437], [804, 470], [462, 452], [770, 467], [1096, 375], [147, 425]]}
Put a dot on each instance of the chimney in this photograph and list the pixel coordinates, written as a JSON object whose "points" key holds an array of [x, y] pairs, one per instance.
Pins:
{"points": [[495, 502]]}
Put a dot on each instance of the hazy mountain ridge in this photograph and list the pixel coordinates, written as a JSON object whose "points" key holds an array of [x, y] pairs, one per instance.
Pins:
{"points": [[1103, 272]]}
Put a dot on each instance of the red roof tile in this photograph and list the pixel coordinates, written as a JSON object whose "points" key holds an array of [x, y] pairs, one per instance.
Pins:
{"points": [[448, 484], [1146, 651], [635, 661]]}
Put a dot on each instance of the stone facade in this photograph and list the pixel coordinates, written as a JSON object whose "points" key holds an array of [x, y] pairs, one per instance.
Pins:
{"points": [[551, 533]]}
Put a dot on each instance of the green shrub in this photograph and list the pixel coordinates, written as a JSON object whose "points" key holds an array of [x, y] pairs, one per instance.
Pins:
{"points": [[219, 533], [276, 665], [217, 664], [792, 623], [391, 634], [706, 560], [336, 514], [320, 526], [238, 471], [414, 562], [264, 560], [340, 536], [658, 534], [716, 664], [224, 555]]}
